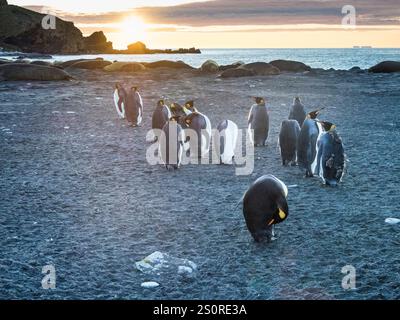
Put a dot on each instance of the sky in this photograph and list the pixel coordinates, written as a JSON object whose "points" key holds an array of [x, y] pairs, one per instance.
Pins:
{"points": [[231, 23]]}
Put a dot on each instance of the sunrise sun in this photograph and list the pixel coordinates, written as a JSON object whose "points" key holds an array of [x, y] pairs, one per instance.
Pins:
{"points": [[133, 29]]}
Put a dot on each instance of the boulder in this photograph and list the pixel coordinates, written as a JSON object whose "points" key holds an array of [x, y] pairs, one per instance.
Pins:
{"points": [[69, 63], [236, 73], [261, 68], [29, 72], [4, 61], [137, 48], [290, 66], [91, 64], [125, 67], [386, 67], [42, 63], [355, 69], [3, 3], [97, 43], [168, 64], [210, 66]]}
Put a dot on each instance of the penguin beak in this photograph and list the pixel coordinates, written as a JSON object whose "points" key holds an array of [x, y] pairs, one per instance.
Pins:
{"points": [[333, 127]]}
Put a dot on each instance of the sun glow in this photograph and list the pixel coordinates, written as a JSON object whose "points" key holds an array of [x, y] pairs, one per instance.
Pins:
{"points": [[133, 29]]}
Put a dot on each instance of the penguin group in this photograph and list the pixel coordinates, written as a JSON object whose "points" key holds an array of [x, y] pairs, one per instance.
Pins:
{"points": [[304, 140]]}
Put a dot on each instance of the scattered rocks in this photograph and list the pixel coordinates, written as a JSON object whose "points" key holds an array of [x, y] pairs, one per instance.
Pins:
{"points": [[231, 66], [159, 262]]}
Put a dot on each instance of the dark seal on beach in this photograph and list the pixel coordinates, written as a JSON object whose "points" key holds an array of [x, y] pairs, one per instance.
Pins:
{"points": [[386, 67], [31, 72]]}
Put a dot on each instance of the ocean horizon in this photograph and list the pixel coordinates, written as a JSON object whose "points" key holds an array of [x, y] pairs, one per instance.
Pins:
{"points": [[326, 58]]}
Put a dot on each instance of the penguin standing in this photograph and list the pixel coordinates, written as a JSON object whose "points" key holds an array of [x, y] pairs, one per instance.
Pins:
{"points": [[264, 205], [180, 113], [170, 146], [307, 147], [297, 112], [288, 136], [331, 157], [258, 121], [161, 115], [201, 125], [134, 107], [120, 96], [226, 141]]}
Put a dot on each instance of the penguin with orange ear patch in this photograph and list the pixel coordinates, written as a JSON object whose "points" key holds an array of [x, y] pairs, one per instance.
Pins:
{"points": [[265, 205]]}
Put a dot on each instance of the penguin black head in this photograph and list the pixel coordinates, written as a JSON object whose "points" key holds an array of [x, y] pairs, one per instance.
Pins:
{"points": [[134, 88], [161, 103], [314, 114], [190, 106], [297, 100], [117, 85], [328, 126], [259, 100], [174, 118]]}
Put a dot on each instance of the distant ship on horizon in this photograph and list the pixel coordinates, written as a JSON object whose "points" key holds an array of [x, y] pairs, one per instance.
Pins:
{"points": [[362, 47]]}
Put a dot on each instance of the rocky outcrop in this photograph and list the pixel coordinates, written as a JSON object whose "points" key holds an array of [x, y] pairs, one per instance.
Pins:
{"points": [[231, 66], [97, 43], [21, 29], [3, 3], [31, 72], [137, 48], [261, 68], [386, 67], [290, 66], [210, 66], [141, 48]]}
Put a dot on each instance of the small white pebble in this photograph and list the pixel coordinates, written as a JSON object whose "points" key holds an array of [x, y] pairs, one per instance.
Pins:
{"points": [[66, 128], [392, 220], [150, 285], [183, 270]]}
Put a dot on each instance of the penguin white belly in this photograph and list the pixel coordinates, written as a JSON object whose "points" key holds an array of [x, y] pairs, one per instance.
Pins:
{"points": [[229, 135], [140, 117], [206, 137], [121, 113], [320, 133]]}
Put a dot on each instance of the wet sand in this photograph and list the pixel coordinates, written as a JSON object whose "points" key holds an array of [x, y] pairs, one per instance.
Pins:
{"points": [[76, 192]]}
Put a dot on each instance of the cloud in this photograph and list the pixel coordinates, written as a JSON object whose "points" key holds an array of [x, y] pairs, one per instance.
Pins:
{"points": [[253, 12]]}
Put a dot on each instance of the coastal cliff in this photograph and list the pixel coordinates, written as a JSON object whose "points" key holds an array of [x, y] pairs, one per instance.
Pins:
{"points": [[21, 30]]}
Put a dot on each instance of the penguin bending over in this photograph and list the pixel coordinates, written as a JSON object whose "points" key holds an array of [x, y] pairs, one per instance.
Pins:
{"points": [[120, 96], [297, 112], [307, 143], [288, 136], [201, 125], [161, 115], [331, 157], [264, 205], [134, 107], [226, 140], [258, 121], [171, 144]]}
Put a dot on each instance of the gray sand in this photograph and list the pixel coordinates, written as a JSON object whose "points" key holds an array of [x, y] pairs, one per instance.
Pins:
{"points": [[85, 200]]}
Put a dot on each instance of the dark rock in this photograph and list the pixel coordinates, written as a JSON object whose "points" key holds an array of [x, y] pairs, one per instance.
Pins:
{"points": [[290, 66], [137, 48], [355, 69], [386, 67], [168, 64], [261, 68], [91, 64], [236, 73], [42, 63], [3, 3], [29, 72], [210, 66], [97, 43]]}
